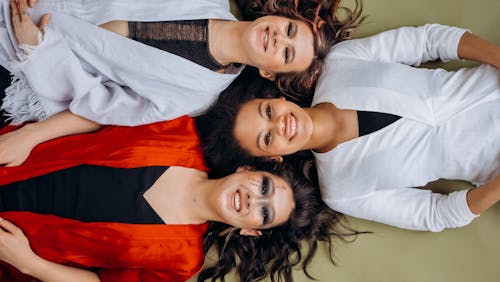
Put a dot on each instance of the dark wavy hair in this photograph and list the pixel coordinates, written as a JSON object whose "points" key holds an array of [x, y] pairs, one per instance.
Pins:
{"points": [[216, 127], [278, 250], [330, 24]]}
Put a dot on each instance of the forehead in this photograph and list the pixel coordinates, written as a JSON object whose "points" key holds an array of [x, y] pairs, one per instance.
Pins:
{"points": [[304, 46], [284, 201], [247, 126]]}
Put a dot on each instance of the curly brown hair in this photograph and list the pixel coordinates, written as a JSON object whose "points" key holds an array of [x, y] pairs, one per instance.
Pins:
{"points": [[323, 18]]}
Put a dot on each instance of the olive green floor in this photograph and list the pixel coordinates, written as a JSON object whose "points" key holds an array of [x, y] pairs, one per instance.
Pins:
{"points": [[469, 254]]}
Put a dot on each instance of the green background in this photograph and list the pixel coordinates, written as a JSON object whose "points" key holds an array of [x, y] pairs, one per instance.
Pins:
{"points": [[468, 254]]}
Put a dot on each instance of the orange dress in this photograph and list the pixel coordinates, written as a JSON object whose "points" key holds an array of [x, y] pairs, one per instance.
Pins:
{"points": [[118, 251]]}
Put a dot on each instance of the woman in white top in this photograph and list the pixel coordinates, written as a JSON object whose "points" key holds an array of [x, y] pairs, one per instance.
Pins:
{"points": [[379, 127]]}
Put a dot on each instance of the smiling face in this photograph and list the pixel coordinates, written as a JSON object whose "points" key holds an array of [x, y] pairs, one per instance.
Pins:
{"points": [[254, 200], [272, 127], [277, 44]]}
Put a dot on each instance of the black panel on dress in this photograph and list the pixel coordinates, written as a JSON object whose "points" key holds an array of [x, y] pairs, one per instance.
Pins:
{"points": [[187, 39], [87, 193], [369, 122]]}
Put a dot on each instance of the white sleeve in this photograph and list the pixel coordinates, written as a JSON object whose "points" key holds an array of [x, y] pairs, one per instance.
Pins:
{"points": [[407, 45], [55, 72], [410, 208]]}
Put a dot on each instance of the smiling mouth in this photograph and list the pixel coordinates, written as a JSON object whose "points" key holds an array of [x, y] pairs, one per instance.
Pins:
{"points": [[237, 201], [266, 38], [291, 127]]}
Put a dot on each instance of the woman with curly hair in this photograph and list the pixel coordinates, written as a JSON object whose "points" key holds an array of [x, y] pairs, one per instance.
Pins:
{"points": [[379, 127], [132, 204]]}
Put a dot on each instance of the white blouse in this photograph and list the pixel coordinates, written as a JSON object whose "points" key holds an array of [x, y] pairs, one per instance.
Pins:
{"points": [[450, 128]]}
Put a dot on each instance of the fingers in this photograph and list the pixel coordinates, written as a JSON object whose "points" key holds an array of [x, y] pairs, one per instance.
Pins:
{"points": [[31, 3], [23, 5], [14, 10], [23, 9], [9, 226], [44, 21], [18, 10]]}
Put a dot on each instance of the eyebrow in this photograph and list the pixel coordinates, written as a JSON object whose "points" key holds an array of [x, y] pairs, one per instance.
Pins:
{"points": [[295, 28], [262, 116], [271, 211], [292, 55]]}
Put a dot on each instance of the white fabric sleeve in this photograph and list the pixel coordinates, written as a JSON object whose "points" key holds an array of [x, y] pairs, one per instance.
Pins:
{"points": [[102, 101], [408, 45], [409, 208]]}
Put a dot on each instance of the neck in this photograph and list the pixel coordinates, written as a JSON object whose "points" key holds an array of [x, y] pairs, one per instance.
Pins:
{"points": [[225, 42], [199, 197], [332, 126]]}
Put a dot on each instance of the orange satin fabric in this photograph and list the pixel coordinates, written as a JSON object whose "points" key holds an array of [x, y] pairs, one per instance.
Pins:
{"points": [[121, 252], [169, 143]]}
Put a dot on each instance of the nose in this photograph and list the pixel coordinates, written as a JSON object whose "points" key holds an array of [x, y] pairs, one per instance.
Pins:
{"points": [[281, 39], [280, 125], [253, 200]]}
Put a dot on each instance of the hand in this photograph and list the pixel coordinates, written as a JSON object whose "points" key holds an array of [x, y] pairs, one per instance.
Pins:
{"points": [[25, 30], [15, 146], [14, 246]]}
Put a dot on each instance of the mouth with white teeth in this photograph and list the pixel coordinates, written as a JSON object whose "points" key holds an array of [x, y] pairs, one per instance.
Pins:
{"points": [[291, 124], [237, 201], [265, 40]]}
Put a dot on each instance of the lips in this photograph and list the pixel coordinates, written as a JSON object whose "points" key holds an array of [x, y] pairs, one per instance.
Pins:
{"points": [[237, 201], [265, 40], [291, 127]]}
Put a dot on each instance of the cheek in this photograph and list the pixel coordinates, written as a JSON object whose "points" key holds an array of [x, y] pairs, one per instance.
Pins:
{"points": [[281, 145]]}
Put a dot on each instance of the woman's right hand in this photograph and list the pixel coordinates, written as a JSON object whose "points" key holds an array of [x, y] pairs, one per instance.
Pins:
{"points": [[14, 246], [15, 250], [25, 30], [16, 146]]}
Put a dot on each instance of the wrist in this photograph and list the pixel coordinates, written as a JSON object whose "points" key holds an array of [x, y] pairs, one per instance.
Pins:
{"points": [[31, 265], [33, 133]]}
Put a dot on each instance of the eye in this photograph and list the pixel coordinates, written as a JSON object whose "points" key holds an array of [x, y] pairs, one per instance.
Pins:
{"points": [[267, 138], [265, 185], [265, 216], [289, 29], [287, 54], [268, 112]]}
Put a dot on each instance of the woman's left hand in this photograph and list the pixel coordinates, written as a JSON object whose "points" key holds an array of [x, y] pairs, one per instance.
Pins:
{"points": [[25, 30], [14, 246]]}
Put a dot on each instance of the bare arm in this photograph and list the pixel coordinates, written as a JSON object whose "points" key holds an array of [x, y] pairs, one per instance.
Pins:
{"points": [[16, 251], [16, 146], [472, 47], [482, 198]]}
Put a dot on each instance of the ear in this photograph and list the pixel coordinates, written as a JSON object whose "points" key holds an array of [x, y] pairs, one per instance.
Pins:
{"points": [[244, 168], [267, 74], [250, 232], [278, 159]]}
